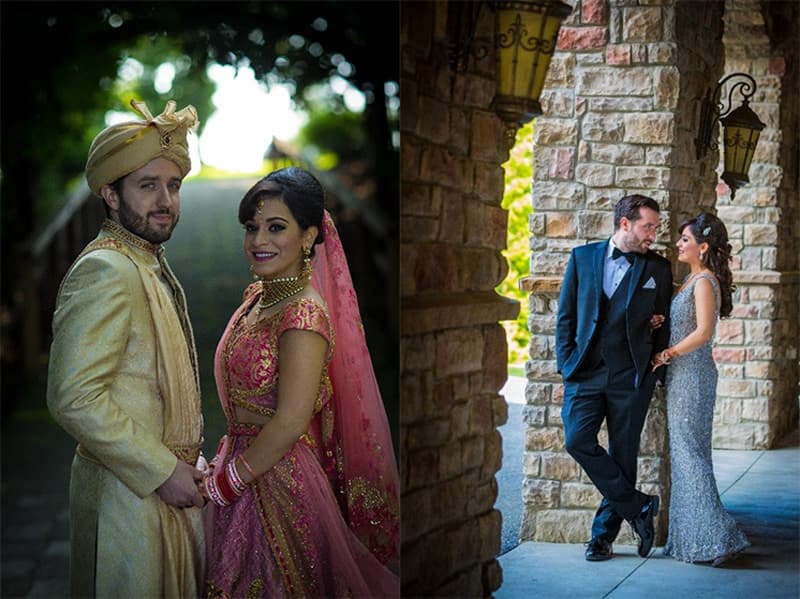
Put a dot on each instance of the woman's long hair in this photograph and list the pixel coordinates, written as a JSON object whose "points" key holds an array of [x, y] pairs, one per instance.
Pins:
{"points": [[707, 228]]}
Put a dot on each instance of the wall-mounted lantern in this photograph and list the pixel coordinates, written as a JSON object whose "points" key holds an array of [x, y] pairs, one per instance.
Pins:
{"points": [[525, 40], [526, 32], [741, 129]]}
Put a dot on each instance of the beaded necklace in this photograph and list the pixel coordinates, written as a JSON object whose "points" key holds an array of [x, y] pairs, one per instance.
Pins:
{"points": [[276, 290]]}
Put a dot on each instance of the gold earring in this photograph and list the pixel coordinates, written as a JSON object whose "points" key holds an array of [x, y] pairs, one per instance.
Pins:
{"points": [[253, 272], [307, 268]]}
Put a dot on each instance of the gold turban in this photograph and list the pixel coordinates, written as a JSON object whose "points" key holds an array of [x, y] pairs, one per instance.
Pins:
{"points": [[123, 148]]}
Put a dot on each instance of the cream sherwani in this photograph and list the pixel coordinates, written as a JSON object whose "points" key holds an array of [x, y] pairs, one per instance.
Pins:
{"points": [[123, 381]]}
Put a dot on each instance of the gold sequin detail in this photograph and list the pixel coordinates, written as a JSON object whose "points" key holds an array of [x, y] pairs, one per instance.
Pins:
{"points": [[122, 233], [256, 589], [188, 454], [261, 377]]}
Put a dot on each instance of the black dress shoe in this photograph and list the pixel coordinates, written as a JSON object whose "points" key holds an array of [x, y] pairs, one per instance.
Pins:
{"points": [[643, 525], [598, 550]]}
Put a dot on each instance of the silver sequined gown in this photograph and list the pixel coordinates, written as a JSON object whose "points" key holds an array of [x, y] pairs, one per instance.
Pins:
{"points": [[699, 527]]}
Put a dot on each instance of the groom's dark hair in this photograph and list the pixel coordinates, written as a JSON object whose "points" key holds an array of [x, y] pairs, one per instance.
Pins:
{"points": [[629, 208]]}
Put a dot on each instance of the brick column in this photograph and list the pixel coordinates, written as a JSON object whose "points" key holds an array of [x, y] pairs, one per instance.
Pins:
{"points": [[453, 349]]}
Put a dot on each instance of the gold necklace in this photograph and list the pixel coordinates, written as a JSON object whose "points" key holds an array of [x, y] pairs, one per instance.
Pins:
{"points": [[276, 290]]}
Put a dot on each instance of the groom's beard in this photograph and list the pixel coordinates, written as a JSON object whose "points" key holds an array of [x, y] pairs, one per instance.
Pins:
{"points": [[140, 225]]}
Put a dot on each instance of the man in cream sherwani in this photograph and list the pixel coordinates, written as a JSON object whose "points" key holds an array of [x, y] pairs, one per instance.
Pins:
{"points": [[123, 375]]}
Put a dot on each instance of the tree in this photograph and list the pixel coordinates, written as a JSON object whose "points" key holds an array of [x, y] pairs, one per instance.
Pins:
{"points": [[60, 61], [516, 199], [56, 90]]}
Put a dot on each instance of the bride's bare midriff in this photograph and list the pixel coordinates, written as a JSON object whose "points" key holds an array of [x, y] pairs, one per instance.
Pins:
{"points": [[246, 417]]}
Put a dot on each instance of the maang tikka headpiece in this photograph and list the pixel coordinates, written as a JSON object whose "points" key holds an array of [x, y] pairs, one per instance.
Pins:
{"points": [[281, 288]]}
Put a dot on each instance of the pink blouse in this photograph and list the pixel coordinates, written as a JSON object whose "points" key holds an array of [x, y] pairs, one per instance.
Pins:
{"points": [[251, 355]]}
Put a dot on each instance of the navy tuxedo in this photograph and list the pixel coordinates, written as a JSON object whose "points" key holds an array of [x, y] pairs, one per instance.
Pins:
{"points": [[604, 346], [579, 306]]}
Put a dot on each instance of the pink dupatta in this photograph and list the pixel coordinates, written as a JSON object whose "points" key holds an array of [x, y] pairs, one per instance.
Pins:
{"points": [[369, 495]]}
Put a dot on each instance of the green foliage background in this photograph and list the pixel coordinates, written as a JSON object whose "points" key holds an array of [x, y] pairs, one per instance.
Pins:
{"points": [[517, 200]]}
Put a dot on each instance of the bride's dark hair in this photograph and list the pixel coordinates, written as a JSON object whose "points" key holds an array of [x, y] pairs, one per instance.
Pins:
{"points": [[707, 228], [298, 189]]}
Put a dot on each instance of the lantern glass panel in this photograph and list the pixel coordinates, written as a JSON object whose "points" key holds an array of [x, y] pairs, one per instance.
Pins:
{"points": [[527, 32], [526, 44], [740, 145]]}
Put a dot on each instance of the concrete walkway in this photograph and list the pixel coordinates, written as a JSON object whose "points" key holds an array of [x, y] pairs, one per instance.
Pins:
{"points": [[510, 477], [761, 489]]}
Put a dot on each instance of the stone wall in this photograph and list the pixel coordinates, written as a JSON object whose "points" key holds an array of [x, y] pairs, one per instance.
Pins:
{"points": [[619, 108], [453, 349], [757, 349], [621, 111], [782, 21], [620, 116]]}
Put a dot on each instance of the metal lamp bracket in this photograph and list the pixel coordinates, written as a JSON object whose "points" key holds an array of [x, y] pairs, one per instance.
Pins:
{"points": [[712, 110]]}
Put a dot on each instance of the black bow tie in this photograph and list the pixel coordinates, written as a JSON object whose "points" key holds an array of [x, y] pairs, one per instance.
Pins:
{"points": [[629, 256]]}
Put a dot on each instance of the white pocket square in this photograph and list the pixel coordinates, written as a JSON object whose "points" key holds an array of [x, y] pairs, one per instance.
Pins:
{"points": [[651, 284]]}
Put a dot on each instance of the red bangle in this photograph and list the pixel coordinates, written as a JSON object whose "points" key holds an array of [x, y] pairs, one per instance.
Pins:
{"points": [[224, 487], [213, 492], [234, 480], [247, 467]]}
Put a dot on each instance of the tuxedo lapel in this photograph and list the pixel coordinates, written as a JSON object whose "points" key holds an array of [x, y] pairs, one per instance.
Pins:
{"points": [[637, 268], [599, 267]]}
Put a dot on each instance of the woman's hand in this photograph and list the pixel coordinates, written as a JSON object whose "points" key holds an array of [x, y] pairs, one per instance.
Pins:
{"points": [[203, 465], [663, 358], [656, 321], [201, 487]]}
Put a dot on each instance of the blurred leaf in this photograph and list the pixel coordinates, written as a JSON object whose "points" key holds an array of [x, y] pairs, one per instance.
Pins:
{"points": [[339, 132], [60, 61], [516, 199]]}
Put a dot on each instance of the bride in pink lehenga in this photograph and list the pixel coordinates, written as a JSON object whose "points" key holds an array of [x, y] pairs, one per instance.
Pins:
{"points": [[304, 486]]}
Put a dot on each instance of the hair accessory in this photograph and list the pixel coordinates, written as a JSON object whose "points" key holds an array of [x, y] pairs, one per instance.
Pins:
{"points": [[259, 206], [706, 231], [277, 290]]}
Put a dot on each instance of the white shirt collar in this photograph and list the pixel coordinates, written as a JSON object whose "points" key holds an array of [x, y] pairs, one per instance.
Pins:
{"points": [[611, 246]]}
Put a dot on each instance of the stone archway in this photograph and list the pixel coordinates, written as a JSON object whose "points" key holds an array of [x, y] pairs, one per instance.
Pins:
{"points": [[621, 114]]}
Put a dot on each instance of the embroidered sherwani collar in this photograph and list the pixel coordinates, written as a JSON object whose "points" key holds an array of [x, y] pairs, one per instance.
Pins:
{"points": [[114, 229]]}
